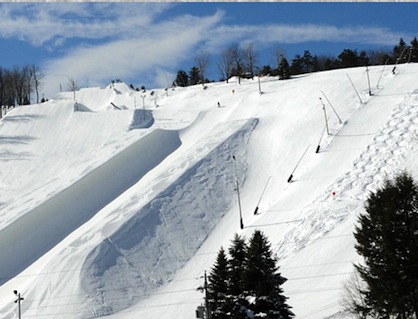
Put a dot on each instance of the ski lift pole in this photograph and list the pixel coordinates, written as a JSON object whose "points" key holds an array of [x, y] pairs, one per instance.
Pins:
{"points": [[241, 223], [381, 73], [259, 85], [143, 106], [339, 119], [291, 175], [262, 194], [358, 95], [368, 80], [320, 139], [325, 115]]}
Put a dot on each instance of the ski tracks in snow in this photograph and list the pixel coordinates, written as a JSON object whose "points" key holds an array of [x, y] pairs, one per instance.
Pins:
{"points": [[381, 159], [160, 238]]}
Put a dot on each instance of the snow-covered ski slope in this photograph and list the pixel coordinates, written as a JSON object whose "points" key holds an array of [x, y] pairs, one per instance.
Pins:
{"points": [[107, 210]]}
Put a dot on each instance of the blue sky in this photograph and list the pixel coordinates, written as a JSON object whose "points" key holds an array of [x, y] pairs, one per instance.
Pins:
{"points": [[147, 43]]}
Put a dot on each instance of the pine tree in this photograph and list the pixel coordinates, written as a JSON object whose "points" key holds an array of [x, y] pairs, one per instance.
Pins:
{"points": [[350, 58], [414, 50], [387, 238], [194, 76], [307, 61], [297, 65], [218, 286], [284, 69], [182, 79], [399, 51], [237, 304], [248, 284], [263, 281]]}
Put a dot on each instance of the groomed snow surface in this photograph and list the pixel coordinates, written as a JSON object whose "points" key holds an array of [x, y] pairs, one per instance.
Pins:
{"points": [[114, 202]]}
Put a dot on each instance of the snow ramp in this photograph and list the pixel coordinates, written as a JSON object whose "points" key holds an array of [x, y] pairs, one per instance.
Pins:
{"points": [[160, 238], [35, 233]]}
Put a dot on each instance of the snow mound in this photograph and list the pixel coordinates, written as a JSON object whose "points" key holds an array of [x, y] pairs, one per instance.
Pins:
{"points": [[141, 119], [138, 257]]}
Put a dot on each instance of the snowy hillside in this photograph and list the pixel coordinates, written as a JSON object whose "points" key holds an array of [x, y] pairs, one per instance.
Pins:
{"points": [[114, 202]]}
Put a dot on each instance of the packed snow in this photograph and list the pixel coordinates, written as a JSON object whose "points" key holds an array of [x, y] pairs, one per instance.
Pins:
{"points": [[115, 202]]}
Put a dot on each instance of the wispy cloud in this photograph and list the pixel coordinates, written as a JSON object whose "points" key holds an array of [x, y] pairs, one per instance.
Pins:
{"points": [[159, 46], [102, 41], [292, 34], [45, 24]]}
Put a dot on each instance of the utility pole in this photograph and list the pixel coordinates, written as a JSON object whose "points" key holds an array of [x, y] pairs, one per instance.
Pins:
{"points": [[204, 312], [206, 297], [18, 302], [241, 223]]}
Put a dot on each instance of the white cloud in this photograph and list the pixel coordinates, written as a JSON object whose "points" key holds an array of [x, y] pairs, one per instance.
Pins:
{"points": [[305, 33], [131, 40], [161, 47], [48, 23]]}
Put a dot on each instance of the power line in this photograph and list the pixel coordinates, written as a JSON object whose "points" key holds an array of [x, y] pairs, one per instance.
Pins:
{"points": [[320, 264], [191, 289], [168, 258], [130, 309], [302, 291], [320, 276], [310, 291]]}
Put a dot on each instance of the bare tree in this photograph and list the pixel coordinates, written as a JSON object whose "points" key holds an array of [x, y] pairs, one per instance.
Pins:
{"points": [[202, 60], [352, 299], [37, 77], [20, 84], [251, 57], [225, 64], [238, 58], [9, 91], [15, 85], [280, 54], [2, 86]]}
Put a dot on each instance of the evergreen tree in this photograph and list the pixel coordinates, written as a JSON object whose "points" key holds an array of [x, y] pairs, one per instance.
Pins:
{"points": [[237, 252], [308, 61], [194, 76], [297, 65], [414, 50], [263, 281], [350, 58], [387, 238], [218, 286], [399, 52], [237, 303], [182, 79], [266, 70], [284, 69], [315, 64]]}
